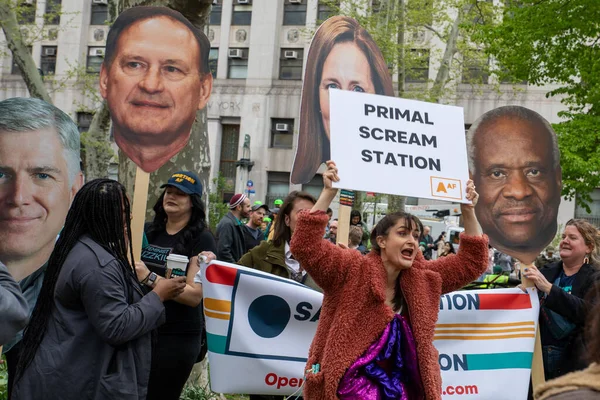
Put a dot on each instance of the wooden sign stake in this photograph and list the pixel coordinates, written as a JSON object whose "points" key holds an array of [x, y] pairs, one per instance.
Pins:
{"points": [[537, 365], [346, 202], [140, 200]]}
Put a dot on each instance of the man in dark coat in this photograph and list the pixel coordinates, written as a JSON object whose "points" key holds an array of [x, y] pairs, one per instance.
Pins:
{"points": [[230, 230]]}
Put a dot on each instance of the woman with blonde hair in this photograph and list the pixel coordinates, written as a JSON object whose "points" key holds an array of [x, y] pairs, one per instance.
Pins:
{"points": [[563, 287], [342, 56]]}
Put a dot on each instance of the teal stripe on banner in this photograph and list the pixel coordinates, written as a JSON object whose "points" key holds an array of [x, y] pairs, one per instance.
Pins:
{"points": [[216, 343], [478, 362]]}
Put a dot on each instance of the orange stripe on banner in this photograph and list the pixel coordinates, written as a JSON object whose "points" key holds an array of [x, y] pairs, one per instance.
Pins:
{"points": [[483, 337], [217, 305], [216, 315], [483, 331], [491, 325]]}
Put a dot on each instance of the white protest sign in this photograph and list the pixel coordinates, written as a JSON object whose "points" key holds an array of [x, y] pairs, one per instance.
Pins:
{"points": [[396, 146], [485, 339], [259, 329]]}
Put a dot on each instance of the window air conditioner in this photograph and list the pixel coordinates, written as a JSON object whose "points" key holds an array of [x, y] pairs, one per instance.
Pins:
{"points": [[50, 51], [236, 53], [100, 1], [290, 54], [97, 52], [295, 1], [243, 1], [282, 127]]}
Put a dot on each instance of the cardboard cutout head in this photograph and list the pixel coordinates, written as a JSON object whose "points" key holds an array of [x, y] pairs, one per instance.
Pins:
{"points": [[514, 161], [39, 176], [155, 77], [343, 56]]}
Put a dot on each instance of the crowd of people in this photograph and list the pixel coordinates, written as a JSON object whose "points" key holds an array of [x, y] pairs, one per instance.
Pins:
{"points": [[146, 331]]}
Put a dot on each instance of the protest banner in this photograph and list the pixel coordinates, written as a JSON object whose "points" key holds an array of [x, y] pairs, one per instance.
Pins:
{"points": [[260, 327], [397, 146]]}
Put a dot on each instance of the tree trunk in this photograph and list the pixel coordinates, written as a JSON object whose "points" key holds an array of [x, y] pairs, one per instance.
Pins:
{"points": [[443, 74], [196, 155], [20, 53], [400, 60], [358, 201], [396, 203], [96, 144]]}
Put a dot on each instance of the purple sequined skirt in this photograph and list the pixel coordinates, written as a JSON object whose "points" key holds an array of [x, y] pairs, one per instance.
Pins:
{"points": [[387, 370]]}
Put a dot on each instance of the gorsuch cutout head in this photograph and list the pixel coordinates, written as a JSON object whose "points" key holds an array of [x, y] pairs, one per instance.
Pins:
{"points": [[39, 176]]}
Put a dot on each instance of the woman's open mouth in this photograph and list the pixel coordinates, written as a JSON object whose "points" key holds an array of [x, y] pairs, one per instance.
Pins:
{"points": [[407, 253]]}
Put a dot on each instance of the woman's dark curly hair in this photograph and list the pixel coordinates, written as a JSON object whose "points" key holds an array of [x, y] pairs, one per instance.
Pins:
{"points": [[194, 227]]}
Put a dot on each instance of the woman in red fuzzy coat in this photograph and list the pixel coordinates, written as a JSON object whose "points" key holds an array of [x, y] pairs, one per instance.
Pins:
{"points": [[375, 333]]}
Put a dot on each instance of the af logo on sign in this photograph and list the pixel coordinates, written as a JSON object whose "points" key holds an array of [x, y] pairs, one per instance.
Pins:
{"points": [[446, 188]]}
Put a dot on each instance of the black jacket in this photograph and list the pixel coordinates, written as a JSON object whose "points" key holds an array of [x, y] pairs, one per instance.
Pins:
{"points": [[574, 307], [230, 239], [250, 241], [14, 311], [98, 340]]}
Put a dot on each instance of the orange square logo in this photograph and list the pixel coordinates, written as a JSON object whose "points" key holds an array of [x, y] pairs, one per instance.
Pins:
{"points": [[446, 188]]}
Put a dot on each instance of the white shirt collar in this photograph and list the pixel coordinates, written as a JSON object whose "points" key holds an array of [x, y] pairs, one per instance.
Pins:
{"points": [[290, 262]]}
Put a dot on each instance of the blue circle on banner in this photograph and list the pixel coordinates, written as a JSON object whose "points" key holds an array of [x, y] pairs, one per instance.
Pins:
{"points": [[268, 316]]}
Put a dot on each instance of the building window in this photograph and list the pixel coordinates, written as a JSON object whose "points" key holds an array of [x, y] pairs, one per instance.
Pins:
{"points": [[213, 61], [14, 69], [290, 64], [84, 120], [94, 59], [419, 71], [230, 141], [314, 186], [282, 133], [26, 12], [215, 13], [48, 63], [475, 68], [593, 217], [326, 10], [52, 15], [294, 12], [242, 14], [238, 64], [99, 14], [278, 186]]}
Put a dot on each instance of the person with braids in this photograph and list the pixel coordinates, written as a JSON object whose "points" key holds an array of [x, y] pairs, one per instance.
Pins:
{"points": [[90, 333], [563, 287], [387, 351], [179, 227]]}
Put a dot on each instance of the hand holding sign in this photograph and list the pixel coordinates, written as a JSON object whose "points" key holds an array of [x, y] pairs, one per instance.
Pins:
{"points": [[330, 175]]}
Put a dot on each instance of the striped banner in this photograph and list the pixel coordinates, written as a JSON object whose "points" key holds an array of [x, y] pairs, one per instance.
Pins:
{"points": [[259, 329]]}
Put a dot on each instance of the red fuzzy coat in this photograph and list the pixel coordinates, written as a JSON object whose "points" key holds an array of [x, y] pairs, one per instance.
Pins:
{"points": [[354, 313]]}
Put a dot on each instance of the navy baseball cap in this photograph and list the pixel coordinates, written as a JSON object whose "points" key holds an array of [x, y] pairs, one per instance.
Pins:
{"points": [[186, 181]]}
